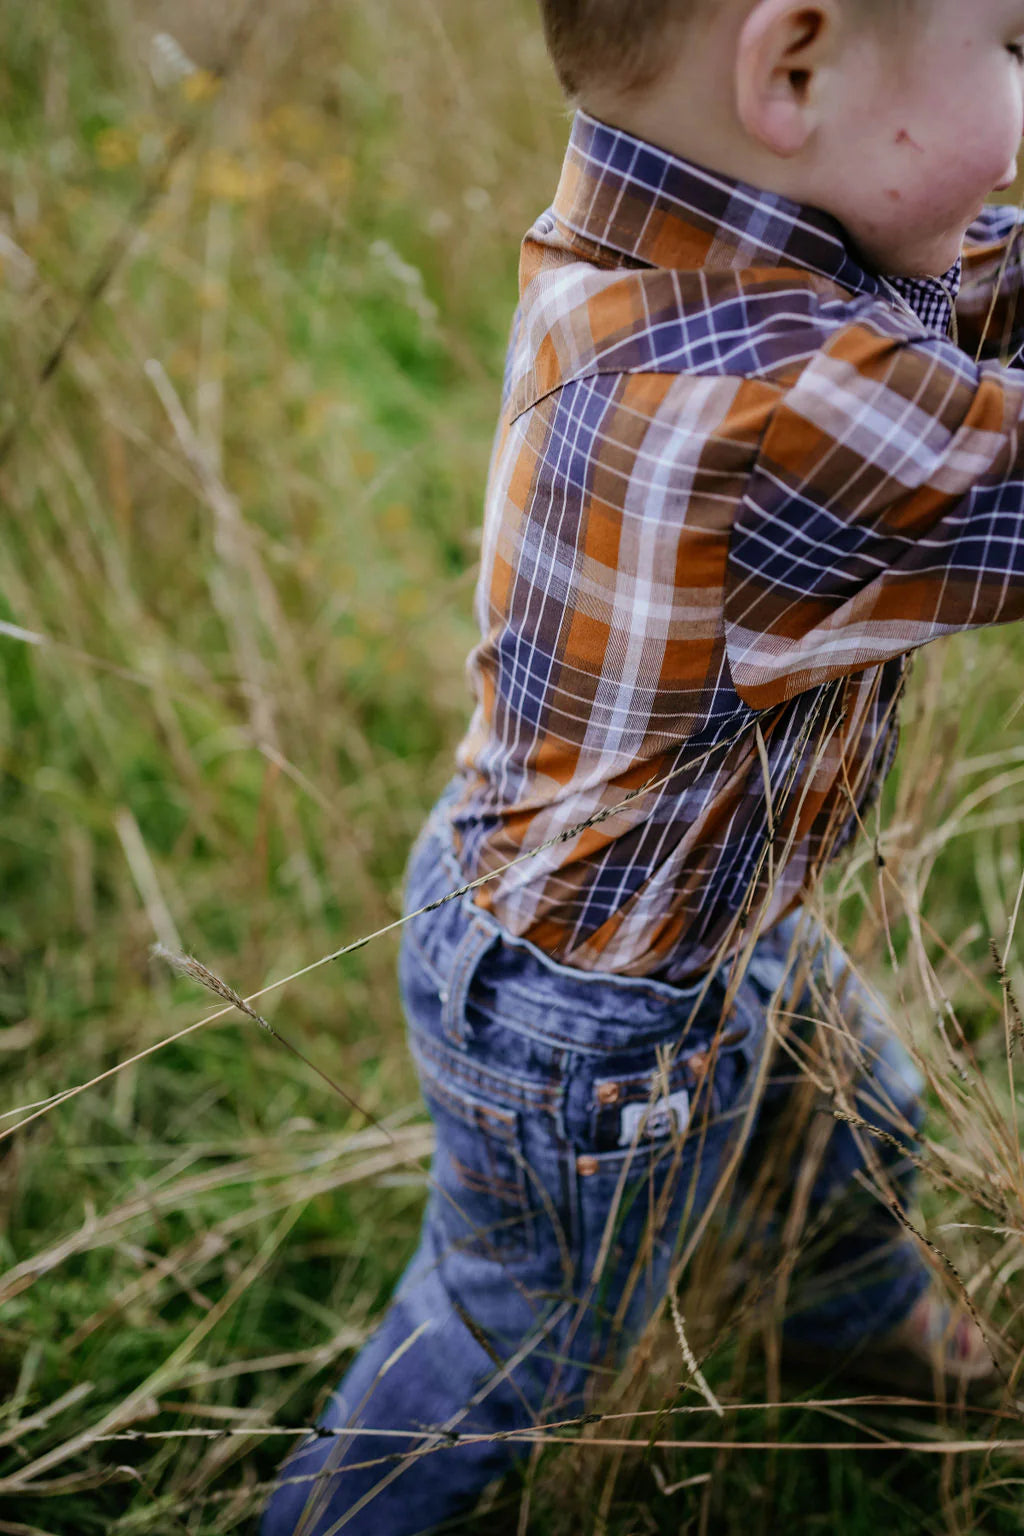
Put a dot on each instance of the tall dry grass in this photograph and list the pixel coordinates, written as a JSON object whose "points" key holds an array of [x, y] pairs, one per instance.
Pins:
{"points": [[235, 566]]}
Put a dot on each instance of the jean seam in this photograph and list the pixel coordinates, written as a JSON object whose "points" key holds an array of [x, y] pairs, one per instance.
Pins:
{"points": [[639, 1040], [466, 1109], [550, 1036], [422, 955], [523, 1095], [474, 944], [505, 1127]]}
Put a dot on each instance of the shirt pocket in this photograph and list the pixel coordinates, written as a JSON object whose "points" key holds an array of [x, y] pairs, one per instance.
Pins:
{"points": [[480, 1187]]}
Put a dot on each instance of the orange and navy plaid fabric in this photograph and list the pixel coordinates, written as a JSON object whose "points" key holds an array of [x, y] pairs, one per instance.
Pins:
{"points": [[738, 478]]}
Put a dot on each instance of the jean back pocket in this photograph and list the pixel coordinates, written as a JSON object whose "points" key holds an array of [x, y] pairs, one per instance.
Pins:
{"points": [[480, 1180]]}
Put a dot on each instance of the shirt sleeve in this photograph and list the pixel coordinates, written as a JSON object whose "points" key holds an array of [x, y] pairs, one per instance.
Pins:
{"points": [[990, 309], [885, 509]]}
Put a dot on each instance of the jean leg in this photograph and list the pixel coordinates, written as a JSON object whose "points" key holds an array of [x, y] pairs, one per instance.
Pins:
{"points": [[547, 1245], [478, 1344], [863, 1271], [430, 1374], [468, 1344]]}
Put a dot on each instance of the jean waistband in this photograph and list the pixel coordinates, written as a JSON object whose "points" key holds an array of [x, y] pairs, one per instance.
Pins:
{"points": [[460, 941]]}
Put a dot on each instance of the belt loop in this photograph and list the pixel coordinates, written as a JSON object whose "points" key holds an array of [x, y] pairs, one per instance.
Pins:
{"points": [[472, 947]]}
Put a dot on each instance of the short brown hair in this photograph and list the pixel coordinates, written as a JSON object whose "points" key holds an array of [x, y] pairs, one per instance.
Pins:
{"points": [[617, 42], [622, 43]]}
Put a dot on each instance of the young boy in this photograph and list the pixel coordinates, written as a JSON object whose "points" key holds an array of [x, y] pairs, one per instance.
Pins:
{"points": [[746, 464]]}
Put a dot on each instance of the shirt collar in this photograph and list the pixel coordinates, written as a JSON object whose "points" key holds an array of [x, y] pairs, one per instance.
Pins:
{"points": [[655, 209]]}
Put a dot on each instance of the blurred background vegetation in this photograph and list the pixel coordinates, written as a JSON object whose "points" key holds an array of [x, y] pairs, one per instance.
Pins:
{"points": [[251, 339]]}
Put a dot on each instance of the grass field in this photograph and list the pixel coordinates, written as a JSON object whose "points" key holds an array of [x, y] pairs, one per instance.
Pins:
{"points": [[251, 338]]}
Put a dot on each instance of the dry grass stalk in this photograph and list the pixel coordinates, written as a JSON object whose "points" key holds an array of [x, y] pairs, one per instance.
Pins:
{"points": [[331, 772]]}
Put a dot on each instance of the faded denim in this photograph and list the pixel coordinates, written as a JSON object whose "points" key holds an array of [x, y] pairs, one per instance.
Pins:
{"points": [[559, 1097]]}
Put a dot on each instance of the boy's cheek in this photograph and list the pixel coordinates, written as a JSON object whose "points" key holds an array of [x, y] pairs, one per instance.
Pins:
{"points": [[907, 184], [917, 227]]}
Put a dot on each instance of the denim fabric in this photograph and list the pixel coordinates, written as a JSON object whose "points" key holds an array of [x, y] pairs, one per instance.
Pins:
{"points": [[584, 1124]]}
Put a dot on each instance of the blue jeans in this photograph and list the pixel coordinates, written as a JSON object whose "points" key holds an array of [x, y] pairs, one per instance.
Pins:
{"points": [[585, 1127]]}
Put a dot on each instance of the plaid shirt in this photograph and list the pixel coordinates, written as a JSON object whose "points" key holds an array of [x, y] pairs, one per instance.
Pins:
{"points": [[737, 479]]}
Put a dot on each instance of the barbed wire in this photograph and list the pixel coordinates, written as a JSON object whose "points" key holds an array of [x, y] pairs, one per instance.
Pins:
{"points": [[431, 1440], [454, 1437]]}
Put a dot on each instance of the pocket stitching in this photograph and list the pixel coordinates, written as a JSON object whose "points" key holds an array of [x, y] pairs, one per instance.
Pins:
{"points": [[512, 1236], [432, 1059]]}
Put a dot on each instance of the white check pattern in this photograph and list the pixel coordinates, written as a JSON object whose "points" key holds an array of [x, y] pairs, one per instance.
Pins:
{"points": [[738, 479]]}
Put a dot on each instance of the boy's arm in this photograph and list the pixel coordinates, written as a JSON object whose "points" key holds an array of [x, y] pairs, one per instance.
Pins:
{"points": [[990, 309], [885, 509]]}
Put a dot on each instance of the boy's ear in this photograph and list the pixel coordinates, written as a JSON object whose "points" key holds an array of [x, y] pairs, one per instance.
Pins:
{"points": [[782, 47]]}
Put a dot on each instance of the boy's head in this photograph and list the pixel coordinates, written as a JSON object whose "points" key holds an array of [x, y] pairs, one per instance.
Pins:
{"points": [[898, 117]]}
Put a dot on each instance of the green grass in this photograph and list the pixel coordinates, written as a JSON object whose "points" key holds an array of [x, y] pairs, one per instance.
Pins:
{"points": [[246, 697]]}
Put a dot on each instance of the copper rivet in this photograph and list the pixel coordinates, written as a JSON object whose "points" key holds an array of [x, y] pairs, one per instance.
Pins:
{"points": [[609, 1093], [698, 1063], [586, 1167]]}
